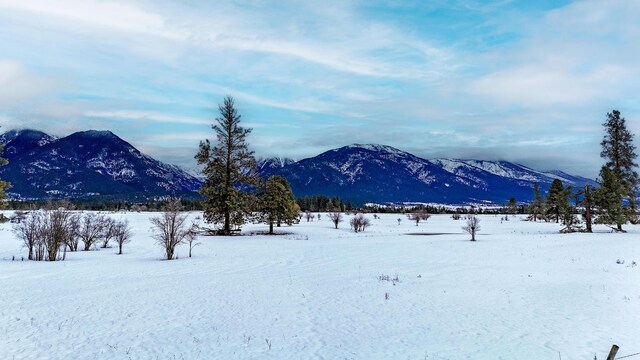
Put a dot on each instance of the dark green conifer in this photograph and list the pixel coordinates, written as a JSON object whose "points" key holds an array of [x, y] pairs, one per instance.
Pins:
{"points": [[229, 168], [608, 199], [619, 151], [535, 208], [277, 204], [557, 200]]}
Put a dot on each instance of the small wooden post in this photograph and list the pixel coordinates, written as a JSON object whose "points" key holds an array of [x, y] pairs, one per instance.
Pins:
{"points": [[613, 352]]}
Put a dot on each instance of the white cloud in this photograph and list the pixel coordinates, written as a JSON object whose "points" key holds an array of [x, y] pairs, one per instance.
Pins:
{"points": [[332, 72], [578, 55], [114, 15], [550, 83], [191, 137], [18, 84], [227, 25], [146, 116]]}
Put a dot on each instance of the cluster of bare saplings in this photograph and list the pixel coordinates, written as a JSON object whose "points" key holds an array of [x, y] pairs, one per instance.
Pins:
{"points": [[49, 233]]}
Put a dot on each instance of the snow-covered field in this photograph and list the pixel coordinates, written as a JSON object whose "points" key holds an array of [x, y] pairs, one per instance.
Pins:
{"points": [[522, 291]]}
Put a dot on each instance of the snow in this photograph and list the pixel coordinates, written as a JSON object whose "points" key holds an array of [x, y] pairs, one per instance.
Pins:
{"points": [[352, 168], [522, 291], [377, 148]]}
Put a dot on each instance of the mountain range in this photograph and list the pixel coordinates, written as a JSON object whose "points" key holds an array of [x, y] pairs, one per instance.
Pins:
{"points": [[100, 164], [378, 173], [87, 164]]}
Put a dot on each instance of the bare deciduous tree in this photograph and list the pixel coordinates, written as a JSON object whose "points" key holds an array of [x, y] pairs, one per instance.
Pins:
{"points": [[359, 223], [57, 230], [122, 234], [472, 227], [171, 228], [108, 231], [309, 216], [192, 236], [91, 229], [72, 239], [18, 216], [336, 218], [28, 230], [419, 216]]}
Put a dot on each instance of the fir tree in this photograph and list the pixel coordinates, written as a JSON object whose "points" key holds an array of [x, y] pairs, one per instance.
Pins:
{"points": [[568, 211], [557, 200], [608, 199], [535, 209], [229, 167], [619, 152], [4, 185], [277, 203]]}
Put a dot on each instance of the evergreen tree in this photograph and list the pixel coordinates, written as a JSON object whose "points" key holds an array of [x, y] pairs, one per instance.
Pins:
{"points": [[568, 211], [608, 199], [619, 152], [557, 200], [512, 206], [535, 209], [229, 168], [587, 205], [277, 204], [4, 185]]}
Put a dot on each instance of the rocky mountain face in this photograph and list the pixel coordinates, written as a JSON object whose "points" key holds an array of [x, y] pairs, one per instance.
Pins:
{"points": [[266, 164], [378, 173], [87, 164], [100, 164]]}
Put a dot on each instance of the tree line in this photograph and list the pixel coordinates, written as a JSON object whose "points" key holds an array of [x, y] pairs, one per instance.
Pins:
{"points": [[612, 203], [233, 192]]}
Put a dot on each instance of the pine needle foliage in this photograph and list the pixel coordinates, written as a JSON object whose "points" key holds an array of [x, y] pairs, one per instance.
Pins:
{"points": [[620, 154], [230, 171], [277, 204]]}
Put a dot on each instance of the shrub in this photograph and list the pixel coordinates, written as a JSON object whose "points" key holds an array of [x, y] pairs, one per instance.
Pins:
{"points": [[171, 228], [359, 223], [418, 216], [473, 226], [336, 218]]}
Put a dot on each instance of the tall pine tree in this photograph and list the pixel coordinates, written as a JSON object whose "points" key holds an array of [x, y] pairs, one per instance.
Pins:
{"points": [[620, 155], [229, 168], [557, 200], [535, 208]]}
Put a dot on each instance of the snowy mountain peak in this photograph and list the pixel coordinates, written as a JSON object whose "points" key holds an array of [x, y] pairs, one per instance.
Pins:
{"points": [[273, 162], [376, 148], [373, 147], [380, 173], [88, 163], [96, 134], [25, 134], [19, 141]]}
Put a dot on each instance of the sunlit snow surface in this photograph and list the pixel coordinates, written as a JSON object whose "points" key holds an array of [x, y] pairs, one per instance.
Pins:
{"points": [[522, 291]]}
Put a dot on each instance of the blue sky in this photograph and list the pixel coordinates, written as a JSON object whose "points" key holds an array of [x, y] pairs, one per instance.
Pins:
{"points": [[524, 81]]}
